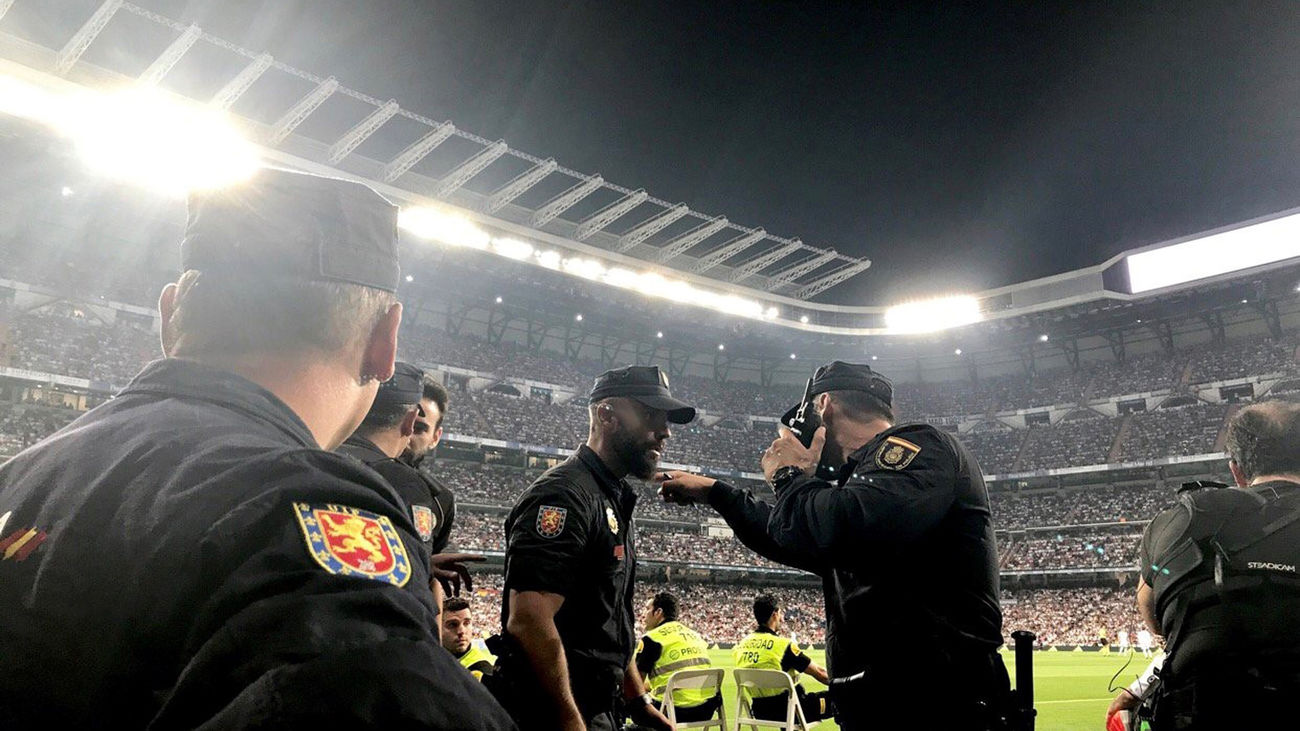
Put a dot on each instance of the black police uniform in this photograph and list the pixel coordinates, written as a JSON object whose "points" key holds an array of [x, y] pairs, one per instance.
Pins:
{"points": [[429, 504], [1223, 568], [571, 533], [905, 547], [196, 560]]}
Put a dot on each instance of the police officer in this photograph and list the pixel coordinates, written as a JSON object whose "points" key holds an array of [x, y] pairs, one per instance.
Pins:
{"points": [[766, 649], [570, 565], [379, 442], [425, 436], [385, 434], [903, 542], [667, 647], [458, 638], [1219, 582], [190, 554]]}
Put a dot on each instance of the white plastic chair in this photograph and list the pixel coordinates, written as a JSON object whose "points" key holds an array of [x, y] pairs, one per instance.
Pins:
{"points": [[702, 679], [752, 679]]}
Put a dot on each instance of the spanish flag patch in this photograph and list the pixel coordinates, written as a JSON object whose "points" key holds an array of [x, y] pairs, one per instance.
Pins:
{"points": [[896, 454]]}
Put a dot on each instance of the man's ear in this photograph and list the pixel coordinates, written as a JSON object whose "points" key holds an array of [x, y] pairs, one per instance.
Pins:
{"points": [[166, 310], [824, 405], [437, 437], [408, 422], [1238, 476], [380, 355]]}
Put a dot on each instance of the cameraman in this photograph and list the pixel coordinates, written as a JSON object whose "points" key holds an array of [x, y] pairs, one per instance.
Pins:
{"points": [[904, 546], [1219, 582]]}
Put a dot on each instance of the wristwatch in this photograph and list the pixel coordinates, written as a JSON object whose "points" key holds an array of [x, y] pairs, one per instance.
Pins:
{"points": [[785, 475]]}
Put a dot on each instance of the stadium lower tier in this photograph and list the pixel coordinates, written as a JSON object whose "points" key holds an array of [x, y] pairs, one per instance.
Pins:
{"points": [[723, 613]]}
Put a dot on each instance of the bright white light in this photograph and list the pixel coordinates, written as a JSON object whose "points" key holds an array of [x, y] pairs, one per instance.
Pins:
{"points": [[722, 346], [1043, 338], [140, 135], [1244, 301], [448, 228], [659, 334], [873, 357], [957, 351], [793, 356], [771, 313], [549, 259], [512, 248], [804, 319], [1221, 253], [933, 315], [585, 268], [498, 300], [410, 278], [66, 191], [578, 317], [146, 138]]}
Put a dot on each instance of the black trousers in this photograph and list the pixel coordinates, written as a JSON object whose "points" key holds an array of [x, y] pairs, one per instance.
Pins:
{"points": [[815, 706]]}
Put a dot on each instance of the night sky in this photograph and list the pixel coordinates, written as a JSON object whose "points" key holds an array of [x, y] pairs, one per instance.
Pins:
{"points": [[958, 146]]}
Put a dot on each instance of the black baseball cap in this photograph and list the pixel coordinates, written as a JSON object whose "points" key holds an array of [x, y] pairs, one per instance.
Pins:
{"points": [[284, 224], [645, 384], [838, 375], [405, 387]]}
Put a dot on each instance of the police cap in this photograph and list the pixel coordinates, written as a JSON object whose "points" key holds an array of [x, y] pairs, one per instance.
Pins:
{"points": [[840, 376], [405, 387], [645, 384], [282, 224]]}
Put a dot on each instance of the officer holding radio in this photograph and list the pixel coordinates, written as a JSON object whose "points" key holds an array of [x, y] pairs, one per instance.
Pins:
{"points": [[903, 541]]}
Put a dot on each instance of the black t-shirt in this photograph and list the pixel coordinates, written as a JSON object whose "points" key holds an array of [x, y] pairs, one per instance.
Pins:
{"points": [[571, 534], [206, 564]]}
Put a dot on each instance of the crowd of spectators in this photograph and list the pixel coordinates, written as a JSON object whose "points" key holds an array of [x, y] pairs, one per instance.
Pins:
{"points": [[1070, 549], [1077, 442], [21, 426], [1172, 431], [63, 340], [722, 613], [67, 339], [1071, 616], [485, 532]]}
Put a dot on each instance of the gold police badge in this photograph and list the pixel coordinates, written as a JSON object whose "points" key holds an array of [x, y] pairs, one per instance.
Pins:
{"points": [[611, 520], [896, 454]]}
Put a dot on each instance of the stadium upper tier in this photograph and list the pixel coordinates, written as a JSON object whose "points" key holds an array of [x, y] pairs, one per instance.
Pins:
{"points": [[1150, 409]]}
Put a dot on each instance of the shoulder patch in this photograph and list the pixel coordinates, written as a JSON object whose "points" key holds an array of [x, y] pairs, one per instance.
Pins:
{"points": [[896, 454], [350, 542], [425, 521], [550, 520]]}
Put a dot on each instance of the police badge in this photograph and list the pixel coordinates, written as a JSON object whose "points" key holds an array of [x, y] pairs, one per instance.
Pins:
{"points": [[896, 454], [424, 521], [550, 521], [611, 520]]}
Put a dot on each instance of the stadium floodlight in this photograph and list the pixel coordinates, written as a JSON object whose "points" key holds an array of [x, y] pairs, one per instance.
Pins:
{"points": [[1224, 252], [549, 259], [585, 268], [448, 228], [933, 315], [140, 135], [512, 248], [803, 319], [659, 334]]}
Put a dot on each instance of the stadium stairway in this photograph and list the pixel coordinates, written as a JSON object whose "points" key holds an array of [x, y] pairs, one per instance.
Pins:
{"points": [[1117, 446]]}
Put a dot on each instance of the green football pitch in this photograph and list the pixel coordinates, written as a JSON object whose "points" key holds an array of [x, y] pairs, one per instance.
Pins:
{"points": [[1070, 687]]}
